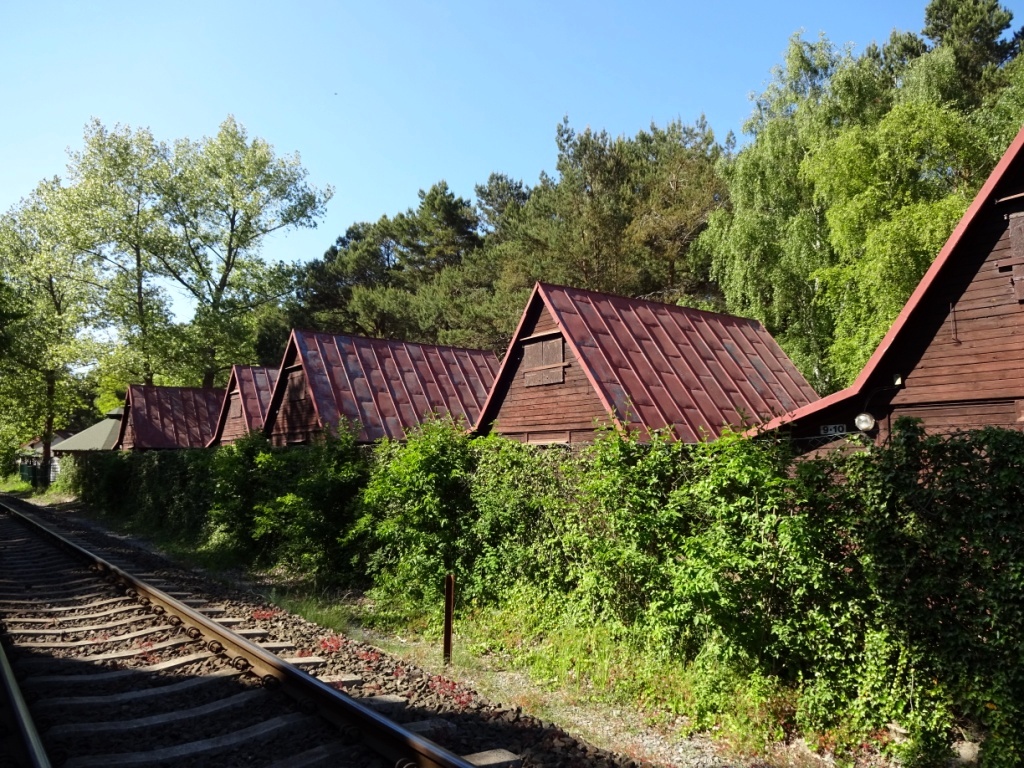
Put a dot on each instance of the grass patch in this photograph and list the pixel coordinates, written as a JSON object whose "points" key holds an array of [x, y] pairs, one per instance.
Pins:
{"points": [[14, 484], [528, 654], [600, 662], [341, 614]]}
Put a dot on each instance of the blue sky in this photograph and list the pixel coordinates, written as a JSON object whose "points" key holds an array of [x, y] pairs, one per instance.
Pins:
{"points": [[382, 99]]}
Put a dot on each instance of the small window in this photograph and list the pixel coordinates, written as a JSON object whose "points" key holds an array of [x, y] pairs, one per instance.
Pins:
{"points": [[544, 362]]}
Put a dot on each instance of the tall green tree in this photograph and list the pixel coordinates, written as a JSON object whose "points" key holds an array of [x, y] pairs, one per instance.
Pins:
{"points": [[224, 194], [678, 188], [973, 31], [55, 296], [892, 194], [498, 201], [369, 281], [113, 211], [764, 248], [858, 169], [573, 228]]}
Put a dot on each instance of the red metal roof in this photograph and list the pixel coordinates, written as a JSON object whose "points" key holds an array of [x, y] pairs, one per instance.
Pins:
{"points": [[255, 386], [658, 365], [388, 386], [170, 417], [947, 256]]}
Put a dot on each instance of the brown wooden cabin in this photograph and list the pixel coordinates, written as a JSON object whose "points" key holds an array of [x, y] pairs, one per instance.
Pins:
{"points": [[245, 404], [580, 359], [954, 358], [383, 386], [168, 417]]}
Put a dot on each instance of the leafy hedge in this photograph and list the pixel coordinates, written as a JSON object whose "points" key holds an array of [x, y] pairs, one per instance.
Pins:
{"points": [[268, 505], [873, 596]]}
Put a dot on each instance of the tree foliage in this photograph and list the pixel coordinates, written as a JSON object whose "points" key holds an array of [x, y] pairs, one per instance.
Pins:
{"points": [[857, 171], [223, 196], [53, 296], [114, 214], [90, 262], [620, 215]]}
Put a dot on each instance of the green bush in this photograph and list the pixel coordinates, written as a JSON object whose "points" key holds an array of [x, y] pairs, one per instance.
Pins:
{"points": [[287, 506], [313, 499], [838, 597], [519, 523], [415, 510]]}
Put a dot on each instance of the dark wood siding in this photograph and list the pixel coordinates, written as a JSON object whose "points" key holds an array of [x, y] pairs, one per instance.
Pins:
{"points": [[945, 418], [557, 412], [234, 423], [296, 420], [970, 372], [543, 323], [128, 443]]}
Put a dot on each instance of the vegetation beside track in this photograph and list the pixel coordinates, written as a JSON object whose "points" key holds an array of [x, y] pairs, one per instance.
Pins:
{"points": [[864, 602]]}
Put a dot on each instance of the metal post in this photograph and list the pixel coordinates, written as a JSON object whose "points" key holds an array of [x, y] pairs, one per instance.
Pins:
{"points": [[449, 610]]}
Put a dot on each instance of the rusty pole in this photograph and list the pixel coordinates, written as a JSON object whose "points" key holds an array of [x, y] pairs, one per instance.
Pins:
{"points": [[449, 610]]}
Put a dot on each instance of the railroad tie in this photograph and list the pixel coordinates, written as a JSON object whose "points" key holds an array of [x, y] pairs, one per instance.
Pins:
{"points": [[494, 758]]}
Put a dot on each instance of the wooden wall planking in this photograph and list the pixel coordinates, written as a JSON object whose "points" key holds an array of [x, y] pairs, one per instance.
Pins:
{"points": [[296, 420], [234, 422], [978, 350], [558, 412]]}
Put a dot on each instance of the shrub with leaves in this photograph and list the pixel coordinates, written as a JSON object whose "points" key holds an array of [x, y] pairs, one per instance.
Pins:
{"points": [[414, 511], [519, 526]]}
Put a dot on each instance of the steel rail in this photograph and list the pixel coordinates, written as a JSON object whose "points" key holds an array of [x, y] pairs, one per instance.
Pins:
{"points": [[31, 743], [398, 745]]}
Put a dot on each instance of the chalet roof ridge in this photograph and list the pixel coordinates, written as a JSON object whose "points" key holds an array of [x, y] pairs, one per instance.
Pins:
{"points": [[387, 385], [199, 408], [167, 387], [252, 366], [984, 196], [639, 300], [271, 373], [362, 337]]}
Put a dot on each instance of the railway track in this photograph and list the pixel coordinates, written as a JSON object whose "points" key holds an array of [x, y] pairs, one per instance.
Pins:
{"points": [[118, 671]]}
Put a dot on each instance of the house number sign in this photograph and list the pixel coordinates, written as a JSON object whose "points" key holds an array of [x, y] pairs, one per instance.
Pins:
{"points": [[833, 429]]}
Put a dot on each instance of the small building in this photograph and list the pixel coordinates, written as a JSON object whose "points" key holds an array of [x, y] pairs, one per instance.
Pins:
{"points": [[954, 357], [162, 418], [30, 458], [246, 402], [101, 436], [383, 386], [580, 359]]}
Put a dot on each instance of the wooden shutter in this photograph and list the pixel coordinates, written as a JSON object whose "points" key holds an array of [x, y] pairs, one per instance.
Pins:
{"points": [[544, 362]]}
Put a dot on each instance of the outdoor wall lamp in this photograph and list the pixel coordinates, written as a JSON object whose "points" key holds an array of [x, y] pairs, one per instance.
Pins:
{"points": [[865, 422]]}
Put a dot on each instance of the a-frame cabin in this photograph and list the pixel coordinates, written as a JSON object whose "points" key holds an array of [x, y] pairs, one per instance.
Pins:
{"points": [[383, 386], [246, 401], [580, 359], [954, 357], [164, 418]]}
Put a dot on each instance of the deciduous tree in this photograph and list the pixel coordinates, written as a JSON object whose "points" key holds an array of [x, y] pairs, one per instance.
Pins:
{"points": [[113, 210], [222, 197], [55, 295]]}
